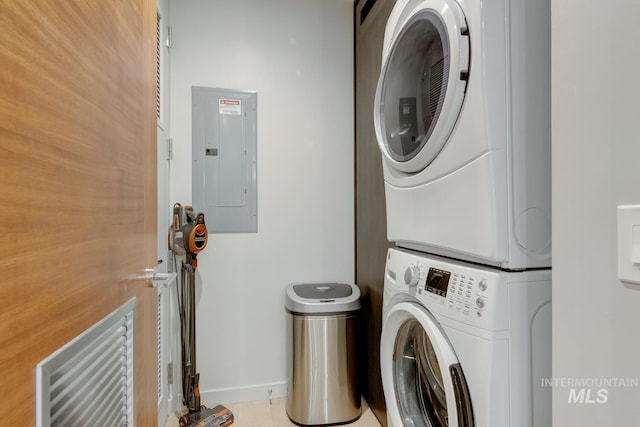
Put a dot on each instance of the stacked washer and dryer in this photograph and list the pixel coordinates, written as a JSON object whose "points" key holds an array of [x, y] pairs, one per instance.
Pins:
{"points": [[462, 117]]}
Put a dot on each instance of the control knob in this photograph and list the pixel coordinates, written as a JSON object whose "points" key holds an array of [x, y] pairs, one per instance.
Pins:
{"points": [[483, 285], [412, 275]]}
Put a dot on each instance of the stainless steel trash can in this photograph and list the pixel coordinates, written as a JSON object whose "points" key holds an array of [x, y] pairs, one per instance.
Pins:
{"points": [[322, 381]]}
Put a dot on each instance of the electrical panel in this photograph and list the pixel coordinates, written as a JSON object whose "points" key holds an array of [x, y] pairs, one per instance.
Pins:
{"points": [[225, 158]]}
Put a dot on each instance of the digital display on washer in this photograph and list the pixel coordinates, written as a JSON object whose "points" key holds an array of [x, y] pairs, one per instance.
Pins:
{"points": [[437, 282]]}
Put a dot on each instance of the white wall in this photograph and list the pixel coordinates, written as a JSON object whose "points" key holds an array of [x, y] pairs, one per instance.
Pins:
{"points": [[596, 166], [298, 56]]}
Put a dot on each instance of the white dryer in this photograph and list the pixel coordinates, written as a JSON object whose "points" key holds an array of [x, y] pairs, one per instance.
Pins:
{"points": [[464, 345], [462, 117]]}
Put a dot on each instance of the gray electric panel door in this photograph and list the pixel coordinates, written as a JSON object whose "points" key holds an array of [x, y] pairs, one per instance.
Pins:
{"points": [[224, 159]]}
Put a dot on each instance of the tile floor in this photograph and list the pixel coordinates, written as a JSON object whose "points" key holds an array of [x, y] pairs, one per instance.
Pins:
{"points": [[261, 414]]}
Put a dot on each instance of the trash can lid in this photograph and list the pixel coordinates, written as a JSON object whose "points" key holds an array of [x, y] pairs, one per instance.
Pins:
{"points": [[322, 298]]}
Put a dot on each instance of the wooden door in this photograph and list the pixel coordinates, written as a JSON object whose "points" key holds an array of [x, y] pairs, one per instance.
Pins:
{"points": [[77, 184]]}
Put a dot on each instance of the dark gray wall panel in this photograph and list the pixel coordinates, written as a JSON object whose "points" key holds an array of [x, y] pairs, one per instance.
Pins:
{"points": [[371, 231]]}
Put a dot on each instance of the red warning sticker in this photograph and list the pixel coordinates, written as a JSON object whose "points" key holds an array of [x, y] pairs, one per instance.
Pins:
{"points": [[230, 106]]}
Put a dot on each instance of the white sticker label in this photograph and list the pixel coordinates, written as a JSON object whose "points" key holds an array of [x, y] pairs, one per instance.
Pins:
{"points": [[230, 106]]}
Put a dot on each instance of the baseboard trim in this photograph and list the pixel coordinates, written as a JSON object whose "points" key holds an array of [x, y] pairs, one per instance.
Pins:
{"points": [[243, 394]]}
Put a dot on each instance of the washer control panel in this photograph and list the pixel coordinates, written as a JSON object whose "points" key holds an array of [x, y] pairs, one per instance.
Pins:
{"points": [[458, 290], [437, 281], [462, 290], [412, 275], [468, 293]]}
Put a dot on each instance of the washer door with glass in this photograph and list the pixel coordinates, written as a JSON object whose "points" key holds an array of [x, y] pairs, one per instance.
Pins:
{"points": [[422, 83], [423, 382]]}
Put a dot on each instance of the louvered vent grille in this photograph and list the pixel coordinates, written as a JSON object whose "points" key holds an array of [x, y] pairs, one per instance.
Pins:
{"points": [[158, 66], [436, 86], [89, 381]]}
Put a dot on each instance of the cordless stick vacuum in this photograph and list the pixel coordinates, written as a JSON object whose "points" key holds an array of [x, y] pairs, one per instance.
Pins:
{"points": [[188, 237]]}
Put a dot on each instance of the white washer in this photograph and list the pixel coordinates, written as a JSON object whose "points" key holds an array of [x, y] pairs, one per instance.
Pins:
{"points": [[464, 345], [462, 117]]}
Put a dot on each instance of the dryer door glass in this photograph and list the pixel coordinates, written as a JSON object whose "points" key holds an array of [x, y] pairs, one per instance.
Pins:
{"points": [[415, 85], [422, 84], [422, 397]]}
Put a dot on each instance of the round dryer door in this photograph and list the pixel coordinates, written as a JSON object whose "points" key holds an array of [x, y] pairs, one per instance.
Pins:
{"points": [[422, 83], [423, 382]]}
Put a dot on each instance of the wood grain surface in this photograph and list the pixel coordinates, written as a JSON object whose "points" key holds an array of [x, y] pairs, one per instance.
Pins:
{"points": [[77, 184], [371, 220]]}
